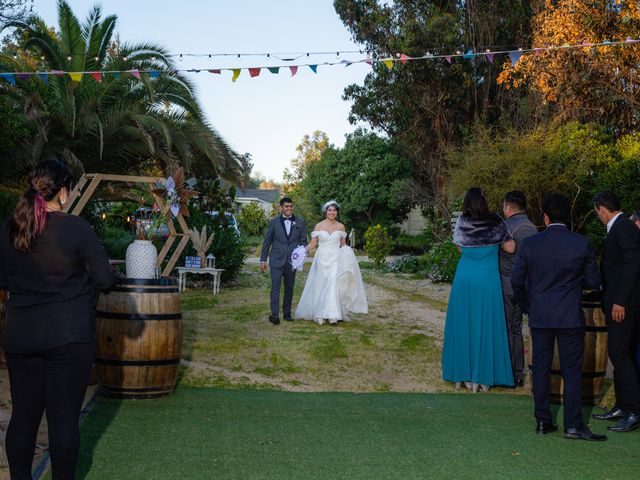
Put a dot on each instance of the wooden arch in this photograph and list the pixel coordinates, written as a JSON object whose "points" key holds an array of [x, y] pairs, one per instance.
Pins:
{"points": [[86, 187]]}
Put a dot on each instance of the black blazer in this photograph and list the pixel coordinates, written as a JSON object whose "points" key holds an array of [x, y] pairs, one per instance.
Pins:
{"points": [[621, 265], [551, 270], [52, 289]]}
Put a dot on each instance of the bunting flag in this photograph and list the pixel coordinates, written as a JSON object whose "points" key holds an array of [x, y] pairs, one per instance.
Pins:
{"points": [[515, 56], [9, 77], [584, 47]]}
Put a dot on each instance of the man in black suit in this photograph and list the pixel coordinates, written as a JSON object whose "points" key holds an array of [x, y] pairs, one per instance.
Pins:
{"points": [[548, 278], [621, 303]]}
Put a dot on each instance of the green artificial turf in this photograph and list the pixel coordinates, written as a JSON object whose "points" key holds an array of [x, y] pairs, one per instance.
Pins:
{"points": [[258, 434]]}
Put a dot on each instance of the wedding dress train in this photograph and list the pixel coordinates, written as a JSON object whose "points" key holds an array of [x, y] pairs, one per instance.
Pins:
{"points": [[334, 286]]}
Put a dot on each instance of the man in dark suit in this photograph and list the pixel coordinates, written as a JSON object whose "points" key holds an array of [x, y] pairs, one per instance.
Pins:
{"points": [[621, 303], [551, 269], [284, 233]]}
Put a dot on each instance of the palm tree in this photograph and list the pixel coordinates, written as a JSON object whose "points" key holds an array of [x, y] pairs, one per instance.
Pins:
{"points": [[116, 124]]}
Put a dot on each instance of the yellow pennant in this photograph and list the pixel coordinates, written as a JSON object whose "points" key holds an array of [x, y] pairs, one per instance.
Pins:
{"points": [[236, 74], [75, 76], [388, 63]]}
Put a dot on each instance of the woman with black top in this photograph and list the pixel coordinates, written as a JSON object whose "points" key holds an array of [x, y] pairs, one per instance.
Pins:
{"points": [[52, 264]]}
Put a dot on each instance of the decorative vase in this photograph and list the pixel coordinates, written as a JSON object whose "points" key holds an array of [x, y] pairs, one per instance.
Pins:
{"points": [[141, 259]]}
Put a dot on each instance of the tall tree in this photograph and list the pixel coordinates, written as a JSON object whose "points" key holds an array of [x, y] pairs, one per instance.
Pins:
{"points": [[13, 11], [114, 123], [429, 105], [588, 84]]}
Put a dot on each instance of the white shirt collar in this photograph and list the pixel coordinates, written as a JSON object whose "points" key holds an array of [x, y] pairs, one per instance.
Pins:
{"points": [[558, 224], [612, 221]]}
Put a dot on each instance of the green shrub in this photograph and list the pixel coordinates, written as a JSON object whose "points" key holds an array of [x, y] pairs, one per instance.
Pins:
{"points": [[252, 219], [442, 261], [8, 201], [116, 240], [377, 244], [413, 244], [406, 264]]}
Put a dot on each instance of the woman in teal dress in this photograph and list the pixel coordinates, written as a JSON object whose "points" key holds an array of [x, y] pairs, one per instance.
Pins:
{"points": [[476, 349]]}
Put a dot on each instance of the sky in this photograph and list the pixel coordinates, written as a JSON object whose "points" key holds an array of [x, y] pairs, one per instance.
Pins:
{"points": [[268, 115]]}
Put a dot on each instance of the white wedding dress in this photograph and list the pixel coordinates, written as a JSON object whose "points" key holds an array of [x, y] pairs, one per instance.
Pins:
{"points": [[334, 286]]}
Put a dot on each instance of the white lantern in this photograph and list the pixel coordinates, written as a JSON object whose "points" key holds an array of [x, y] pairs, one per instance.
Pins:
{"points": [[211, 261]]}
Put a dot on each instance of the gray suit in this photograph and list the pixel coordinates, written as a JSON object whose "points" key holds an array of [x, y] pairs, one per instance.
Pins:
{"points": [[278, 246], [520, 227]]}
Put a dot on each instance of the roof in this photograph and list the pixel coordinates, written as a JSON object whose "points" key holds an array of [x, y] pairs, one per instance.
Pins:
{"points": [[268, 196]]}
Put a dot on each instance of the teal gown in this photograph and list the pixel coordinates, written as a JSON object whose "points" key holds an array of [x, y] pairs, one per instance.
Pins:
{"points": [[475, 333]]}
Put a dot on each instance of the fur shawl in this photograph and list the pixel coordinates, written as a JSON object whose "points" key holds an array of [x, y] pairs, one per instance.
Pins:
{"points": [[480, 232]]}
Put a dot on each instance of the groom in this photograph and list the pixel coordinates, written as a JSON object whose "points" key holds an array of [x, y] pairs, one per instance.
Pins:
{"points": [[284, 233]]}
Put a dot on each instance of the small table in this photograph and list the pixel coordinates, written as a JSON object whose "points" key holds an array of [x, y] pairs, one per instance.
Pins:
{"points": [[182, 276]]}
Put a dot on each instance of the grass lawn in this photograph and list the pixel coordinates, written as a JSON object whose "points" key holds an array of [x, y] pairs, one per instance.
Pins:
{"points": [[261, 434]]}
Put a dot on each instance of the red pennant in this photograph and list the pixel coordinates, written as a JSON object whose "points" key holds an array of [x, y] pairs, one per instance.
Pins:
{"points": [[97, 76], [369, 61], [215, 70], [254, 72], [403, 58], [294, 70]]}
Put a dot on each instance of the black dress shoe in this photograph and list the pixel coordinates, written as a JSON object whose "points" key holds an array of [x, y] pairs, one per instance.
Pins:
{"points": [[519, 382], [544, 428], [582, 432], [274, 319], [630, 422], [288, 318], [614, 414]]}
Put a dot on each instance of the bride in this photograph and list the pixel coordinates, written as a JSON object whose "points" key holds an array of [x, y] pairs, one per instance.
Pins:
{"points": [[334, 286]]}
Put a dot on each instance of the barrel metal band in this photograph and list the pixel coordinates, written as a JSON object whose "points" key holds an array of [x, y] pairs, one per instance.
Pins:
{"points": [[145, 290], [139, 316], [113, 361]]}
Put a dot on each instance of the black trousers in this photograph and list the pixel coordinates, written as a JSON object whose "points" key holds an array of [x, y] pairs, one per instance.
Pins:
{"points": [[513, 315], [622, 342], [54, 380], [277, 275], [571, 351]]}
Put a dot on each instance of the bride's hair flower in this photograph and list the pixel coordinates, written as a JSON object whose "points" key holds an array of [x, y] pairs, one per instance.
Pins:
{"points": [[330, 203]]}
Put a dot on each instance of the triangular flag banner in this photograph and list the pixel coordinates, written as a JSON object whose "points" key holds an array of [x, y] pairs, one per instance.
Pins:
{"points": [[22, 76], [314, 68], [388, 63], [154, 74], [514, 56], [630, 40], [448, 57], [135, 73], [215, 70], [369, 61], [538, 51], [403, 58], [294, 70], [44, 77], [236, 74], [606, 42], [116, 75], [274, 69], [75, 76], [97, 76], [9, 78], [254, 72], [469, 54], [58, 73], [489, 57]]}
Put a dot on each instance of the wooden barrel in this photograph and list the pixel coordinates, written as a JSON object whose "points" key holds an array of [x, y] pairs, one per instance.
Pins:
{"points": [[139, 338], [3, 319], [594, 366]]}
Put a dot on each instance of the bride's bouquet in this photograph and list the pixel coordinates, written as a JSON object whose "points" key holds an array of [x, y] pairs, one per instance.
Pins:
{"points": [[298, 256]]}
